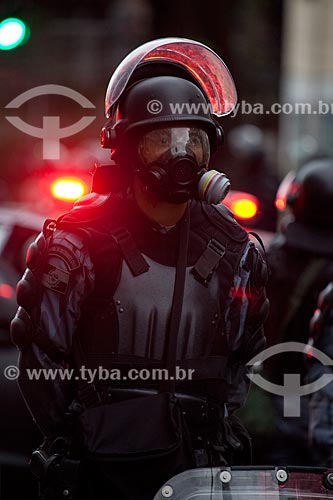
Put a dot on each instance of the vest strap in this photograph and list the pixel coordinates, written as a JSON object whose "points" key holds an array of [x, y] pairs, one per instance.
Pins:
{"points": [[209, 259], [132, 255]]}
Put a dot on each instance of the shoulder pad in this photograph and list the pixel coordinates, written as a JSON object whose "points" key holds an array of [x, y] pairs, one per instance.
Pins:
{"points": [[89, 208], [225, 212], [223, 219], [91, 200]]}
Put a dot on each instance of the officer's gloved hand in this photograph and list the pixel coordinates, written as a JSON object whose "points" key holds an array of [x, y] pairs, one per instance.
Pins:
{"points": [[239, 440]]}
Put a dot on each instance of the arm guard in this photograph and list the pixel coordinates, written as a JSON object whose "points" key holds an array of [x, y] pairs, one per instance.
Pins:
{"points": [[50, 295], [251, 306], [254, 340], [28, 289]]}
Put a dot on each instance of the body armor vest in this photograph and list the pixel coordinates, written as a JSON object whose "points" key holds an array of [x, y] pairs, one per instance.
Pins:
{"points": [[124, 322], [143, 305]]}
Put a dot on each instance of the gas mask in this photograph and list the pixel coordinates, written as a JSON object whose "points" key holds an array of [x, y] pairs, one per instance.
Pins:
{"points": [[172, 163]]}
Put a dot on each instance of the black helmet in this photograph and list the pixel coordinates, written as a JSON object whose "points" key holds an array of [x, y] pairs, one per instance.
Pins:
{"points": [[149, 103], [205, 81], [180, 88], [310, 198]]}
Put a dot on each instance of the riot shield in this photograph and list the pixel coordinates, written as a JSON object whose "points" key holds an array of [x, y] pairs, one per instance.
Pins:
{"points": [[246, 483]]}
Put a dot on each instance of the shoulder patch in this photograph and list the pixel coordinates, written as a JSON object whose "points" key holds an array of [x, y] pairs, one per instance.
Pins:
{"points": [[61, 252], [55, 279]]}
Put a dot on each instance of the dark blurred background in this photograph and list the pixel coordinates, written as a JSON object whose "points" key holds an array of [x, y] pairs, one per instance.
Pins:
{"points": [[274, 50], [79, 43]]}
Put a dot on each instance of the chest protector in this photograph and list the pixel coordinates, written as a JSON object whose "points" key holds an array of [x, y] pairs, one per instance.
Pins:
{"points": [[125, 321]]}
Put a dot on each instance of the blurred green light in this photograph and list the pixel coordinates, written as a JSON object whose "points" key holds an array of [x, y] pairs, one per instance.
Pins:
{"points": [[12, 32]]}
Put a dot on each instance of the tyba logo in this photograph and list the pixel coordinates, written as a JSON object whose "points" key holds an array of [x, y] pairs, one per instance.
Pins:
{"points": [[292, 390], [50, 133]]}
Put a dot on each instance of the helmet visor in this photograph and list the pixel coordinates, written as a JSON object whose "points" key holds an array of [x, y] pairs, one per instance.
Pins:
{"points": [[177, 140], [204, 64]]}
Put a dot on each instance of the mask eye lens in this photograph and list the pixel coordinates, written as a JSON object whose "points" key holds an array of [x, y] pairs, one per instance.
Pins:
{"points": [[153, 144], [177, 140], [195, 139], [195, 144]]}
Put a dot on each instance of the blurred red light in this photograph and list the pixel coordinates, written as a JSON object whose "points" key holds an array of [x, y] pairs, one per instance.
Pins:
{"points": [[286, 187], [280, 203], [244, 205], [68, 189], [6, 291], [244, 209]]}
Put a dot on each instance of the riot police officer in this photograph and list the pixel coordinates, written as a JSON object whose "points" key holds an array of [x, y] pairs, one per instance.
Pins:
{"points": [[321, 401], [300, 259], [149, 270]]}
